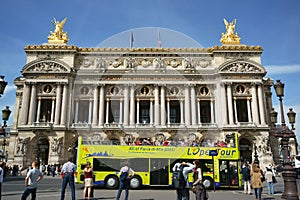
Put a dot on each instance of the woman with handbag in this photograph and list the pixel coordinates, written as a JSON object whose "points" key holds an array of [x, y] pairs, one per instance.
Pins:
{"points": [[198, 187], [256, 181], [88, 180]]}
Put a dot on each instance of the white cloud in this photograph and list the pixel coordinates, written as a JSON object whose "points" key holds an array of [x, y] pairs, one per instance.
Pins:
{"points": [[282, 69]]}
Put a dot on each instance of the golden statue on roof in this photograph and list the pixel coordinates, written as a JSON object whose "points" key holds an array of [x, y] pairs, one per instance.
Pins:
{"points": [[58, 36], [230, 37]]}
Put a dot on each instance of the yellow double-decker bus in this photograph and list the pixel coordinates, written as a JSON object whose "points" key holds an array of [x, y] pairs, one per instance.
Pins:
{"points": [[153, 164]]}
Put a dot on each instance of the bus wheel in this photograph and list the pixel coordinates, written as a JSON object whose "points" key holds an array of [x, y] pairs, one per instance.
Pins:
{"points": [[208, 182], [136, 182], [111, 182]]}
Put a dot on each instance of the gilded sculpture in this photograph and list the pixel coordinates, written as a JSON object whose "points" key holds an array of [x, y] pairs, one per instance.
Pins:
{"points": [[230, 37], [58, 36]]}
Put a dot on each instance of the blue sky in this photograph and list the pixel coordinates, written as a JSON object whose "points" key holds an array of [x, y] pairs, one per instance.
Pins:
{"points": [[274, 26]]}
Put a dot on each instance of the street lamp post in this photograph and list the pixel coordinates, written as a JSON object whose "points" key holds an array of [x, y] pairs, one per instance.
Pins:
{"points": [[288, 174], [2, 85], [256, 161], [5, 116]]}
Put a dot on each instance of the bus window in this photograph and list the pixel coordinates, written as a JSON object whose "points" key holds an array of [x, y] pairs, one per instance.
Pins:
{"points": [[105, 164], [139, 164]]}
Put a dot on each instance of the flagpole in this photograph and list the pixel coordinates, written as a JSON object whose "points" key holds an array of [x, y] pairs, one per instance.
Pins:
{"points": [[159, 42], [131, 39]]}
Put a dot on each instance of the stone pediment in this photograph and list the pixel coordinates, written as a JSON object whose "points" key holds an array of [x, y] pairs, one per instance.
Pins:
{"points": [[46, 66], [242, 66]]}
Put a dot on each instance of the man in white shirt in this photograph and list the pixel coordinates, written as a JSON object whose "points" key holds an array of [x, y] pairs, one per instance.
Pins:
{"points": [[125, 172], [68, 170], [31, 181], [184, 193]]}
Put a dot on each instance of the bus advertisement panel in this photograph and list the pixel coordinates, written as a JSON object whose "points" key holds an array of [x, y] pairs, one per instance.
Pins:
{"points": [[153, 164]]}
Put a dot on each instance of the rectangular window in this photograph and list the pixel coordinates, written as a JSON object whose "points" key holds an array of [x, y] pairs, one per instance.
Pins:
{"points": [[242, 111], [46, 105], [144, 112], [205, 111], [174, 112], [83, 111], [114, 114]]}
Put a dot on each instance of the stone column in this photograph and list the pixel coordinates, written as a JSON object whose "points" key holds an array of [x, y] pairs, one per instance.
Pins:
{"points": [[52, 109], [156, 106], [76, 111], [229, 101], [187, 106], [261, 105], [137, 111], [58, 104], [101, 106], [107, 111], [25, 104], [32, 107], [151, 111], [132, 106], [198, 110], [64, 105], [38, 110], [254, 105], [95, 105], [163, 106], [90, 111], [193, 106], [249, 109], [235, 110], [121, 111], [126, 106], [168, 111], [223, 106], [181, 112], [212, 111]]}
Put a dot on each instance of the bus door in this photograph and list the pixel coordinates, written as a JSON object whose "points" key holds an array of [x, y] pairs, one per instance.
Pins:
{"points": [[228, 172], [159, 171]]}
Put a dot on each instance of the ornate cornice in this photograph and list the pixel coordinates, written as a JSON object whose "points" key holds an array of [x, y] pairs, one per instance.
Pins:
{"points": [[235, 48], [156, 50], [50, 47]]}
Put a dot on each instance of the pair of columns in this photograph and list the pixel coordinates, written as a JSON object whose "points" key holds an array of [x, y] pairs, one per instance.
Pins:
{"points": [[31, 105], [254, 107]]}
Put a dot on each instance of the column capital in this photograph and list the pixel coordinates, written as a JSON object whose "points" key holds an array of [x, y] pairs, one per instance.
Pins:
{"points": [[107, 99], [249, 98]]}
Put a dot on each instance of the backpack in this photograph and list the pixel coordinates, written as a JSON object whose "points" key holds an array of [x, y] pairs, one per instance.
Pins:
{"points": [[178, 180], [123, 176], [246, 172]]}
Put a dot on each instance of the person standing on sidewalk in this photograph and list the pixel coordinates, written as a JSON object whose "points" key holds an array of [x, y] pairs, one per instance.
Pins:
{"points": [[200, 190], [31, 181], [68, 171], [246, 178], [2, 168], [186, 168], [125, 174], [88, 180], [269, 179], [256, 181]]}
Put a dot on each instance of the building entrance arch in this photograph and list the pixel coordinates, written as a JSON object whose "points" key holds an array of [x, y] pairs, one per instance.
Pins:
{"points": [[245, 146], [42, 153]]}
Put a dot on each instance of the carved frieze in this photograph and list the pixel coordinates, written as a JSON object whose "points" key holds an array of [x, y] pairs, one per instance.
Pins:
{"points": [[47, 66], [241, 67]]}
